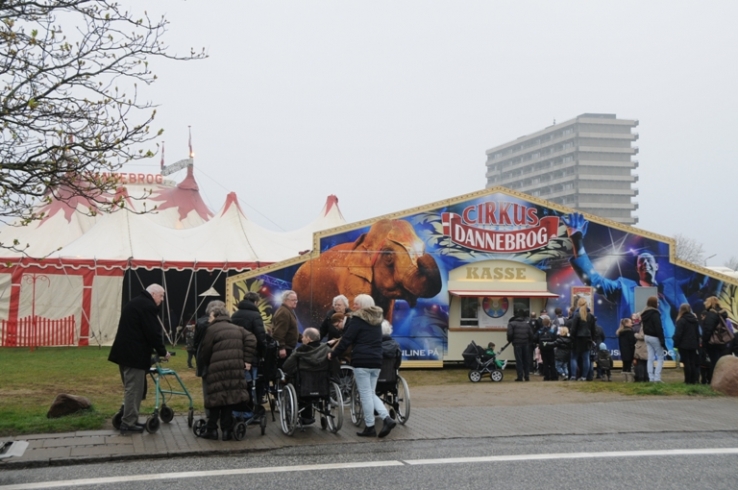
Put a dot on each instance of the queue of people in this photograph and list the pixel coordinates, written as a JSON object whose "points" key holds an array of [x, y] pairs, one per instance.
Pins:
{"points": [[572, 348], [227, 350]]}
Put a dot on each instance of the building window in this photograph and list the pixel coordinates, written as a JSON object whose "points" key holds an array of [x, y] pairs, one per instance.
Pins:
{"points": [[469, 312]]}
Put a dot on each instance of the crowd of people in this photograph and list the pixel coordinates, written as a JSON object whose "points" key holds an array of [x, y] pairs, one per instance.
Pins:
{"points": [[227, 350], [573, 347]]}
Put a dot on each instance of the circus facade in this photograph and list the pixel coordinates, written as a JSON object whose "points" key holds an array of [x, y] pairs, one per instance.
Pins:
{"points": [[456, 270]]}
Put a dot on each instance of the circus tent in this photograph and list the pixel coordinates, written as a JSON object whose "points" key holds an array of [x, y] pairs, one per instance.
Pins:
{"points": [[93, 261]]}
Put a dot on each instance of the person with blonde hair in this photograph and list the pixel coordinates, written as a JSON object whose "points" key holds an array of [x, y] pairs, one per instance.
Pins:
{"points": [[713, 315], [364, 333], [583, 331]]}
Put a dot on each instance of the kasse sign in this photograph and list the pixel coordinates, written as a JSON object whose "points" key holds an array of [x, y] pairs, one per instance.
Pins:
{"points": [[170, 169]]}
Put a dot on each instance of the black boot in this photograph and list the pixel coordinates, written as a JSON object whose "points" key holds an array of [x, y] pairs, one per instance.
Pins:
{"points": [[211, 434], [389, 424], [367, 432], [227, 435]]}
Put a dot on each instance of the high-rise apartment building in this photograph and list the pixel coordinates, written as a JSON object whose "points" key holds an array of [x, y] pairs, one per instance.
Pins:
{"points": [[584, 163]]}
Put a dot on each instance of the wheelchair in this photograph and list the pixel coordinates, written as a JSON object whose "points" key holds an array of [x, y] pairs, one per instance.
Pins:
{"points": [[392, 389], [314, 389]]}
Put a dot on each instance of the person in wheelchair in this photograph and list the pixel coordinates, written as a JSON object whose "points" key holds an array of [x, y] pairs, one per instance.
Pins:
{"points": [[311, 356], [364, 333], [390, 347]]}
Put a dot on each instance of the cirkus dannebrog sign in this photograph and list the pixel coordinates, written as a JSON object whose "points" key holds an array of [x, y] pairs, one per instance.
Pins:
{"points": [[499, 227]]}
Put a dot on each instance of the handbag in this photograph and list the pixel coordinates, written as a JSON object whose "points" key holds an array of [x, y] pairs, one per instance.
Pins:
{"points": [[721, 335]]}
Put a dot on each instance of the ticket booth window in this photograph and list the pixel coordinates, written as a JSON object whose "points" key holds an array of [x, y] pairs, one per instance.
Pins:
{"points": [[469, 312], [521, 304]]}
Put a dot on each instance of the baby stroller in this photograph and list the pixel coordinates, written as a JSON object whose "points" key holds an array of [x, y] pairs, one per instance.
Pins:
{"points": [[481, 363]]}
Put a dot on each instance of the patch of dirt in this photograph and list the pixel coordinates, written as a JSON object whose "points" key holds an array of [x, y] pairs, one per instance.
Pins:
{"points": [[506, 393]]}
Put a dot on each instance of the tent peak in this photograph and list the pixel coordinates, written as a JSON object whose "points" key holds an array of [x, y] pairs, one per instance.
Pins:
{"points": [[232, 200]]}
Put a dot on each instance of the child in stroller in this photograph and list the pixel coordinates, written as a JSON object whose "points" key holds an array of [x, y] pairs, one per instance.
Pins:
{"points": [[481, 361]]}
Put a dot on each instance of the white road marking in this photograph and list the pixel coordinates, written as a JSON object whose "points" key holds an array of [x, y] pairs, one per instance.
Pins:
{"points": [[368, 464]]}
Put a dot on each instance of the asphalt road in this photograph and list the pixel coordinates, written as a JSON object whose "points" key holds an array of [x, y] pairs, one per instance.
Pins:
{"points": [[654, 461]]}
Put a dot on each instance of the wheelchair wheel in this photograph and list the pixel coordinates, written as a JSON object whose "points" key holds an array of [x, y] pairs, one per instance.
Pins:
{"points": [[166, 414], [118, 418], [346, 381], [152, 424], [475, 376], [199, 428], [403, 400], [496, 375], [357, 415], [190, 417], [334, 408], [288, 409], [239, 431]]}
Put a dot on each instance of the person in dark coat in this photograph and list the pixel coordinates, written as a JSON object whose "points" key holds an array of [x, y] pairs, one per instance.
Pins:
{"points": [[582, 332], [653, 332], [713, 312], [138, 335], [249, 317], [627, 343], [390, 347], [520, 334], [226, 350], [546, 339], [687, 340], [364, 333], [328, 330], [562, 352]]}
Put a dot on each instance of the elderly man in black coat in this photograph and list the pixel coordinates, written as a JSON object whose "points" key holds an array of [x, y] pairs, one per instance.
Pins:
{"points": [[139, 334]]}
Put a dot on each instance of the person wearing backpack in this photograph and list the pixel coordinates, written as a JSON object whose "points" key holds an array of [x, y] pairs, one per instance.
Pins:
{"points": [[687, 340]]}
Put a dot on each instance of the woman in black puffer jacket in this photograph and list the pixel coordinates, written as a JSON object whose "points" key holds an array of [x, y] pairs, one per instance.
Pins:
{"points": [[687, 340]]}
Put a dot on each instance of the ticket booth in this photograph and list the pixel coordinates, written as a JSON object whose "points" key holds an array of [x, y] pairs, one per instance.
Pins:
{"points": [[484, 296]]}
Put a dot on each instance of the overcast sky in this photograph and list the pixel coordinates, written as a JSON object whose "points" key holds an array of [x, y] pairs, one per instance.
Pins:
{"points": [[391, 104]]}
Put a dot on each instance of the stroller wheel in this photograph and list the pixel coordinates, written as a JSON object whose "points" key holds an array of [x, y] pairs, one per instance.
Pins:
{"points": [[263, 424], [152, 424], [118, 418], [239, 431], [199, 428], [166, 413], [475, 376], [496, 375], [190, 417], [323, 423]]}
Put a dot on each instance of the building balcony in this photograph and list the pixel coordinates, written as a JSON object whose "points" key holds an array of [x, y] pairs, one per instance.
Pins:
{"points": [[604, 163], [631, 150], [606, 205]]}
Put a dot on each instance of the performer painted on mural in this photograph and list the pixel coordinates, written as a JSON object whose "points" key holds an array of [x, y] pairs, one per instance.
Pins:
{"points": [[621, 290]]}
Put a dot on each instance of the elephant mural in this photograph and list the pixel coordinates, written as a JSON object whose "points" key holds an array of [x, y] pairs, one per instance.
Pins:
{"points": [[388, 262]]}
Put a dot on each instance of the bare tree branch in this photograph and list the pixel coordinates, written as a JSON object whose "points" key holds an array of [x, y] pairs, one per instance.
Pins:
{"points": [[689, 249], [71, 110]]}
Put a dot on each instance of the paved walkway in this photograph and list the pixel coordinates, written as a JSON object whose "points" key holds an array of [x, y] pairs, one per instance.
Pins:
{"points": [[636, 414]]}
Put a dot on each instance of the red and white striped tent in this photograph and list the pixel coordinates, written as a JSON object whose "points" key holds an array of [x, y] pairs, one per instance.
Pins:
{"points": [[74, 294]]}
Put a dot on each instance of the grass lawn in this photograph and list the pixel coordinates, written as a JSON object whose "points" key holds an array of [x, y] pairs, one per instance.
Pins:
{"points": [[31, 381]]}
